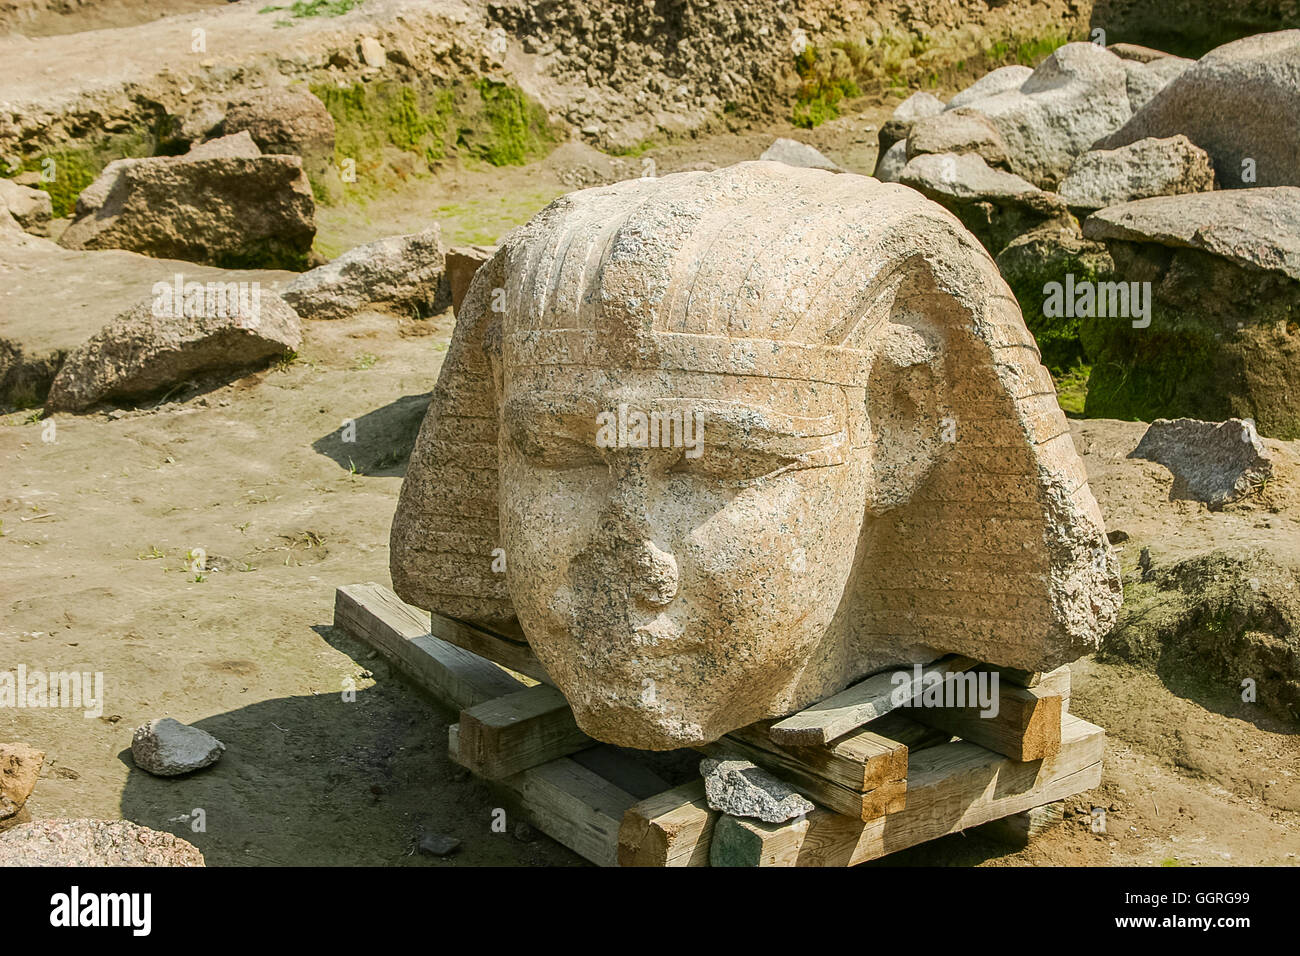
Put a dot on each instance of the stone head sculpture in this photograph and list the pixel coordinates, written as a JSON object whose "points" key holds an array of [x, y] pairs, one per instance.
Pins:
{"points": [[720, 444]]}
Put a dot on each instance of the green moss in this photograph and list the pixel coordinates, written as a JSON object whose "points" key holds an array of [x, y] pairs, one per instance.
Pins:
{"points": [[375, 122], [74, 168], [824, 82]]}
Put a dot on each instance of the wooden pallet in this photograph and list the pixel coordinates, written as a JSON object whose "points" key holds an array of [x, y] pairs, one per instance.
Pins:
{"points": [[883, 778]]}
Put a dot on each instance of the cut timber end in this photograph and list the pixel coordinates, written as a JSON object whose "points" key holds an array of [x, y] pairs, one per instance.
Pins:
{"points": [[512, 733], [1026, 726], [374, 614], [673, 828], [834, 717], [1020, 829]]}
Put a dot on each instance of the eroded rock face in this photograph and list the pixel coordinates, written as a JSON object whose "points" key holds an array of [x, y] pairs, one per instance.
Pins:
{"points": [[1238, 103], [19, 767], [221, 327], [94, 843], [1221, 271], [403, 274], [1213, 462], [1149, 167], [30, 208], [292, 122], [867, 457], [225, 210]]}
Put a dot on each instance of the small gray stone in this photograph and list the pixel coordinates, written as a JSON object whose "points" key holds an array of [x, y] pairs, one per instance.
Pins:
{"points": [[742, 789], [794, 153], [1213, 462], [1001, 80], [917, 106], [167, 748], [438, 844], [1148, 167]]}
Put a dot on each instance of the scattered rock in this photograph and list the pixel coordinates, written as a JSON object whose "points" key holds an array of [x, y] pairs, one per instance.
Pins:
{"points": [[30, 208], [461, 264], [994, 204], [899, 125], [94, 843], [20, 765], [890, 165], [292, 122], [958, 131], [1220, 276], [1002, 80], [524, 832], [404, 274], [1148, 167], [1076, 96], [147, 348], [228, 210], [167, 748], [1231, 103], [438, 844], [232, 146], [740, 788], [794, 153], [372, 53], [1212, 462]]}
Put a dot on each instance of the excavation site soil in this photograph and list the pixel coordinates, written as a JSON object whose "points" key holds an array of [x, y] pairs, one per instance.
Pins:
{"points": [[101, 514]]}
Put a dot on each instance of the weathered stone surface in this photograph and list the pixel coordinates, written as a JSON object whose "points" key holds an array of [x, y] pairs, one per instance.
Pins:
{"points": [[1259, 228], [372, 53], [1222, 272], [794, 153], [167, 748], [1149, 167], [149, 347], [1076, 96], [1231, 103], [20, 765], [1001, 80], [958, 131], [94, 843], [920, 104], [235, 145], [292, 122], [1145, 80], [403, 274], [229, 211], [1212, 462], [742, 789], [994, 204], [676, 593], [461, 264], [890, 165], [30, 208], [1139, 53]]}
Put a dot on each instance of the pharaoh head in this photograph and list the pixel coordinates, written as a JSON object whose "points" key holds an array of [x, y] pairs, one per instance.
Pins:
{"points": [[719, 444]]}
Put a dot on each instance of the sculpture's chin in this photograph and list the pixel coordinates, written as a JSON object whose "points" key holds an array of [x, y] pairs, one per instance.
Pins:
{"points": [[640, 726]]}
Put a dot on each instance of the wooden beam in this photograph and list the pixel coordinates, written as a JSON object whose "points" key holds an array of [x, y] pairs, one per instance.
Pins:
{"points": [[673, 828], [568, 803], [1025, 726], [951, 788], [506, 651], [888, 796], [834, 717], [374, 614], [1020, 829], [508, 734]]}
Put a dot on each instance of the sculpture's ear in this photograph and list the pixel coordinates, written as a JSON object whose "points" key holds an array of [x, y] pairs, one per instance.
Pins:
{"points": [[908, 413]]}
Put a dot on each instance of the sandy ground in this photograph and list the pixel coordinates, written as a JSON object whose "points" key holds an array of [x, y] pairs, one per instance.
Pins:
{"points": [[99, 513]]}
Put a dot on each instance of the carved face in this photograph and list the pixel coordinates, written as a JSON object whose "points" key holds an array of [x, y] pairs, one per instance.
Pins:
{"points": [[673, 591]]}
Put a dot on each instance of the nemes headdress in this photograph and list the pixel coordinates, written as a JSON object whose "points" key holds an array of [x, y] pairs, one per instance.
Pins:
{"points": [[992, 542]]}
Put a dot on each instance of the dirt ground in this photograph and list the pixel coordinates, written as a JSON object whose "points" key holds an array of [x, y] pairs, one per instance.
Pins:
{"points": [[100, 511]]}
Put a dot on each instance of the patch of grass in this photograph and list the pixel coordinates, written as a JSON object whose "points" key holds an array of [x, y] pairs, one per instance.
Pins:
{"points": [[364, 361], [825, 81], [1072, 389], [151, 555], [315, 8]]}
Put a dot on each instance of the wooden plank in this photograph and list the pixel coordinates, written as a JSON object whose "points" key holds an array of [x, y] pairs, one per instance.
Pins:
{"points": [[951, 788], [673, 828], [508, 734], [889, 796], [834, 717], [1020, 829], [374, 614], [622, 769], [506, 651], [568, 803], [1025, 726]]}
